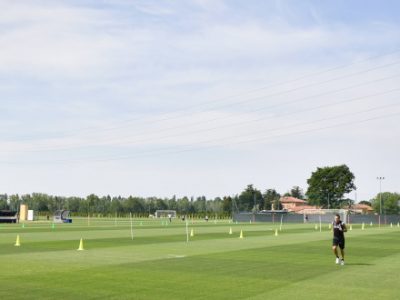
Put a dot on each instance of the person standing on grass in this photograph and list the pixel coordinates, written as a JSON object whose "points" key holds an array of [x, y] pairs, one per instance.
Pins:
{"points": [[339, 228]]}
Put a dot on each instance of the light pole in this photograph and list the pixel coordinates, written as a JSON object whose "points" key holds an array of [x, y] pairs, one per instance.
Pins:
{"points": [[380, 193]]}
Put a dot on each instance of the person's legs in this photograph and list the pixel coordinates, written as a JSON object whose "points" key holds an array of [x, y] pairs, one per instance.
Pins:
{"points": [[334, 248], [341, 246], [342, 253], [335, 252]]}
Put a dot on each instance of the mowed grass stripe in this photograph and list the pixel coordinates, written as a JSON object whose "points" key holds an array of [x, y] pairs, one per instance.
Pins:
{"points": [[301, 270], [53, 240]]}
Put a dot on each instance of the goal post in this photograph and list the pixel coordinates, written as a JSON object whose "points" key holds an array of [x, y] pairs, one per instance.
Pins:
{"points": [[165, 214]]}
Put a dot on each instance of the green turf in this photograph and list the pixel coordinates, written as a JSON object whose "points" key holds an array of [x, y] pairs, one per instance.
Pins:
{"points": [[158, 263]]}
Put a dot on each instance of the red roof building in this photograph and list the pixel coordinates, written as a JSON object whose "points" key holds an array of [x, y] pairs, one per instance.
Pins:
{"points": [[292, 204]]}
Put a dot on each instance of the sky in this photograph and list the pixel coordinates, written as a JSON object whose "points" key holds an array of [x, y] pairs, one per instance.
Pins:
{"points": [[193, 98]]}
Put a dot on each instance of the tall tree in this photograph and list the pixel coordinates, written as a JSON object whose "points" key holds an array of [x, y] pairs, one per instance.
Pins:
{"points": [[250, 199], [327, 185], [390, 203], [227, 205], [271, 197], [297, 192]]}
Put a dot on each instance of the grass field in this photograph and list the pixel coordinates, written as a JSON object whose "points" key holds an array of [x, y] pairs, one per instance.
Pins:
{"points": [[158, 263]]}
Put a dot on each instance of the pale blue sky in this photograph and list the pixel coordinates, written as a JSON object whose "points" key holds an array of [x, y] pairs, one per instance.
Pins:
{"points": [[196, 97]]}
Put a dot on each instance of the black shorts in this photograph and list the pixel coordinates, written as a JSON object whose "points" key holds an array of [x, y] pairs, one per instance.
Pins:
{"points": [[338, 242]]}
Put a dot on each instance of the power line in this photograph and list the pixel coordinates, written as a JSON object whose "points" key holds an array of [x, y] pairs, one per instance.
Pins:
{"points": [[81, 130], [258, 139], [119, 142], [271, 95]]}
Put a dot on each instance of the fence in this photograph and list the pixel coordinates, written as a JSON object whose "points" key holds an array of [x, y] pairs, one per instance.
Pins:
{"points": [[324, 217]]}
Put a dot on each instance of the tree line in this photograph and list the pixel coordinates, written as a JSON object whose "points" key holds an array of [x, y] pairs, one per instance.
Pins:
{"points": [[111, 206], [326, 188]]}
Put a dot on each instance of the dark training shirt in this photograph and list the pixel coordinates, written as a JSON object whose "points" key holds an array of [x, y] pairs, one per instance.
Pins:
{"points": [[338, 229]]}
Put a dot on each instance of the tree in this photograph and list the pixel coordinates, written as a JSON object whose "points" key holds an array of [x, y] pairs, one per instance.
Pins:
{"points": [[390, 203], [250, 199], [272, 197], [327, 185], [297, 192], [365, 202], [227, 205], [14, 202]]}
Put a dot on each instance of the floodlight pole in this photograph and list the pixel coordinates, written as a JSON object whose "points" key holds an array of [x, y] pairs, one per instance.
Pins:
{"points": [[380, 193]]}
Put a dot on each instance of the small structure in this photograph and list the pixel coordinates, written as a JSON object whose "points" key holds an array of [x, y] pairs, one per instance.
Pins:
{"points": [[23, 212], [62, 216], [31, 215], [8, 216]]}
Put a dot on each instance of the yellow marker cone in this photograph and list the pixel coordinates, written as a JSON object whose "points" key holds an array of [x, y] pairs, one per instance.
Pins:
{"points": [[398, 224], [230, 230], [351, 227], [241, 234], [17, 242], [276, 232], [362, 226], [192, 233], [370, 224], [391, 225], [330, 226], [81, 245], [316, 227]]}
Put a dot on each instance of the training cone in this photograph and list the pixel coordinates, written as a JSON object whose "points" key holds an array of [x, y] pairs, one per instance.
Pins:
{"points": [[276, 232], [192, 232], [398, 224], [351, 227], [230, 230], [241, 234], [370, 224], [391, 225], [362, 226], [330, 226], [23, 225], [81, 245], [17, 242], [316, 227], [53, 226]]}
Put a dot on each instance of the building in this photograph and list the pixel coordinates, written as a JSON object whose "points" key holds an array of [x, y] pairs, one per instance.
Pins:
{"points": [[362, 209], [295, 205]]}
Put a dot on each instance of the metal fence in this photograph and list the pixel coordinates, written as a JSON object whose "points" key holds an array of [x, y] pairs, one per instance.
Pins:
{"points": [[324, 217]]}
